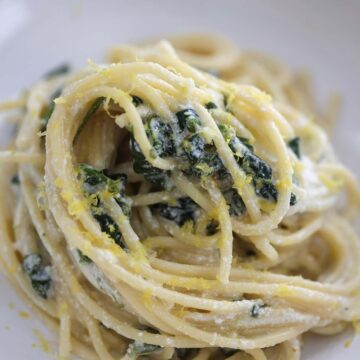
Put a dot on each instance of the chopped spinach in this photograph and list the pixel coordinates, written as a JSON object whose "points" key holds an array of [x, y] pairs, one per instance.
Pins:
{"points": [[58, 70], [137, 100], [246, 142], [212, 227], [252, 165], [203, 158], [294, 145], [259, 171], [160, 135], [229, 134], [83, 258], [256, 309], [184, 210], [235, 142], [94, 182], [38, 274], [47, 111], [88, 116], [235, 202], [265, 188], [109, 226], [140, 348], [210, 105], [188, 120], [261, 174], [142, 166]]}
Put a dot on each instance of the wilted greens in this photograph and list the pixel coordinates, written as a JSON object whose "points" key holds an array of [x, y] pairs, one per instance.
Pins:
{"points": [[95, 182], [38, 274]]}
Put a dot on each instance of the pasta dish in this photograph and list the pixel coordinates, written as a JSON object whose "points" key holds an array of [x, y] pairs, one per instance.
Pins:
{"points": [[182, 201]]}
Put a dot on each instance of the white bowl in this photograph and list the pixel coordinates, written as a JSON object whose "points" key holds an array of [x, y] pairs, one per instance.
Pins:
{"points": [[321, 36]]}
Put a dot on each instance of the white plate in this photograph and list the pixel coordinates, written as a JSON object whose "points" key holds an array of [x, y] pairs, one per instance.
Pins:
{"points": [[321, 36]]}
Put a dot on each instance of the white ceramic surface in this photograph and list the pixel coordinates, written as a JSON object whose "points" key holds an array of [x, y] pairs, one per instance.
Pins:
{"points": [[321, 36]]}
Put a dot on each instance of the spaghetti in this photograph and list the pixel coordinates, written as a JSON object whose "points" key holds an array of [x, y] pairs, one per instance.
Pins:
{"points": [[151, 209]]}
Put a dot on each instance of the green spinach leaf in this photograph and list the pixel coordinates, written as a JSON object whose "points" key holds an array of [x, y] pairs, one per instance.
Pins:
{"points": [[210, 105], [83, 258], [202, 157], [235, 202], [88, 116], [38, 274], [183, 210], [189, 120], [139, 348], [257, 309], [294, 145], [142, 166], [160, 135], [48, 110], [93, 183], [212, 227], [137, 101]]}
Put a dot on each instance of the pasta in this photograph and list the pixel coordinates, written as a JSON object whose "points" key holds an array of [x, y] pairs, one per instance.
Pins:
{"points": [[163, 209]]}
